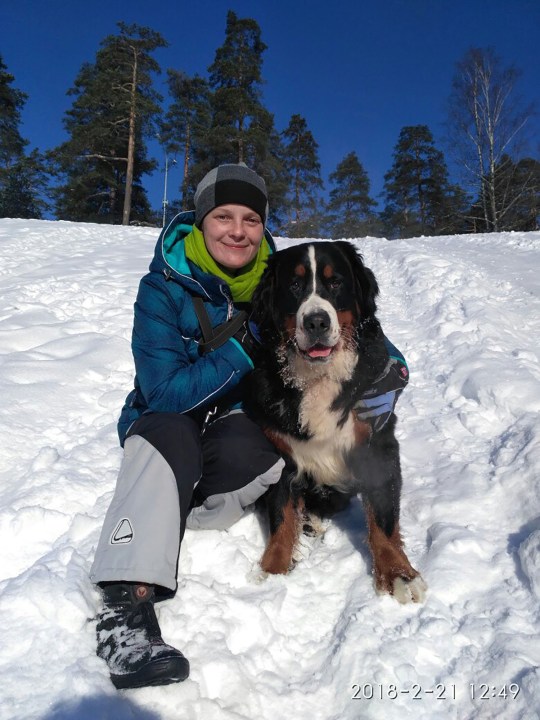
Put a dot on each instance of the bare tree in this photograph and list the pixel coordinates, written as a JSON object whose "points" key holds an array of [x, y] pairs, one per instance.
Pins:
{"points": [[487, 123]]}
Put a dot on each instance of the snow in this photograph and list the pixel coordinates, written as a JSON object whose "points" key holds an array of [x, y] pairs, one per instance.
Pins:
{"points": [[465, 311]]}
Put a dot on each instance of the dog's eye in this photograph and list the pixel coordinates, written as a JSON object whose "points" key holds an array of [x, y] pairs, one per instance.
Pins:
{"points": [[334, 283], [295, 284]]}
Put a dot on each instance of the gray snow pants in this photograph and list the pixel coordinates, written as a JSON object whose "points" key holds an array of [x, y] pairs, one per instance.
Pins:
{"points": [[173, 477]]}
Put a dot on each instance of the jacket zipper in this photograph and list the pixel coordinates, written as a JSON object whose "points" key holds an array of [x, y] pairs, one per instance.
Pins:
{"points": [[228, 298]]}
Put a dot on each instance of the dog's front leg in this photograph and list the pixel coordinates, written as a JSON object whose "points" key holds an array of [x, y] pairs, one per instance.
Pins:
{"points": [[393, 572], [381, 492], [284, 527]]}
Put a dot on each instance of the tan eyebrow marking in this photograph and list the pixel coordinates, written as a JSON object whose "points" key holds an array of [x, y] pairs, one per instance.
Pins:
{"points": [[300, 270], [328, 271]]}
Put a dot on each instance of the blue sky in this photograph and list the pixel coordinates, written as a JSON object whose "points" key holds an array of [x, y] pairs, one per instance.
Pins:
{"points": [[357, 70]]}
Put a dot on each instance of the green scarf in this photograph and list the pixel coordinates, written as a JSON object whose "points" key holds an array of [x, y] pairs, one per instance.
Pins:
{"points": [[244, 281]]}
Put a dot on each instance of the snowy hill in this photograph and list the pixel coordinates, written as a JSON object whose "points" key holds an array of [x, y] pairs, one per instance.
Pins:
{"points": [[465, 311]]}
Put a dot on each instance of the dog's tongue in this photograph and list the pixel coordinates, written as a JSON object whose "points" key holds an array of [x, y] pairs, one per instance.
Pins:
{"points": [[319, 351]]}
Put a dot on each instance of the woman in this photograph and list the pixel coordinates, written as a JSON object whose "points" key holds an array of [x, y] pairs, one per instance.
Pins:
{"points": [[192, 458]]}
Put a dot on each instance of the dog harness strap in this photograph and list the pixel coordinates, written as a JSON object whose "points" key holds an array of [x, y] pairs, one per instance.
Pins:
{"points": [[215, 337]]}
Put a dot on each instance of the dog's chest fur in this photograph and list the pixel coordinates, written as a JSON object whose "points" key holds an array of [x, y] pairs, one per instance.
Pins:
{"points": [[323, 455]]}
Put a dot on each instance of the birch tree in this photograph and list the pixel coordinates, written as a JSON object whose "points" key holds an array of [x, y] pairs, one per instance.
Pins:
{"points": [[487, 121]]}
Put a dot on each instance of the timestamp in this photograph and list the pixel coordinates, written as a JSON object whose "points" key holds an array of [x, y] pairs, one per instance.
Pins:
{"points": [[484, 691], [371, 691]]}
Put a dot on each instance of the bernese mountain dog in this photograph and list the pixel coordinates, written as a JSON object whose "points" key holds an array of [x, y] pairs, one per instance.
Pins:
{"points": [[322, 351]]}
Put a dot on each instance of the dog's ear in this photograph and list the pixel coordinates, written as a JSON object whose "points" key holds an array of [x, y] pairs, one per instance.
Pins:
{"points": [[366, 285], [263, 303]]}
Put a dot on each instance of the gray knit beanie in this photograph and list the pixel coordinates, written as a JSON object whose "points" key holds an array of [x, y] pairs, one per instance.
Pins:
{"points": [[231, 184]]}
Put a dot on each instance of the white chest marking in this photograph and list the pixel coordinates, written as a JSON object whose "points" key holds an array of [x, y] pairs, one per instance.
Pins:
{"points": [[323, 455]]}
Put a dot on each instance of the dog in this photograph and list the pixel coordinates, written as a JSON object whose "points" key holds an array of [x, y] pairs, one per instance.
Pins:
{"points": [[321, 351]]}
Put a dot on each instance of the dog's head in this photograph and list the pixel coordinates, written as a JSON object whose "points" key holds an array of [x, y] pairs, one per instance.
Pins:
{"points": [[313, 298]]}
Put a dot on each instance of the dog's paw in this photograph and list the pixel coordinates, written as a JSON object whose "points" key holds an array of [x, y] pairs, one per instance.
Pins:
{"points": [[313, 530], [256, 575], [407, 590], [312, 525]]}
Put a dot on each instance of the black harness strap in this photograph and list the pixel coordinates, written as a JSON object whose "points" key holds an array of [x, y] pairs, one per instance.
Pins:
{"points": [[215, 337]]}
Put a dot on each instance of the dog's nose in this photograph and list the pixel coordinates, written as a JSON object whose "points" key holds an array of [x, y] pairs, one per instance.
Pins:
{"points": [[317, 322]]}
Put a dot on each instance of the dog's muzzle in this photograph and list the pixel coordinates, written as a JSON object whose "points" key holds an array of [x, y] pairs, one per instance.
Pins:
{"points": [[317, 338]]}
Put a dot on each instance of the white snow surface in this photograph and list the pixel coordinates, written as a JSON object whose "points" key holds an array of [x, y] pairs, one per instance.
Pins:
{"points": [[465, 311]]}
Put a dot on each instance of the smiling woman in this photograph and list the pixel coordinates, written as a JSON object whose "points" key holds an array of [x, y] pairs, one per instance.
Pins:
{"points": [[192, 458]]}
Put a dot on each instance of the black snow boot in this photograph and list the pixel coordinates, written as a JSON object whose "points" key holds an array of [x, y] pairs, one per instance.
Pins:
{"points": [[130, 642]]}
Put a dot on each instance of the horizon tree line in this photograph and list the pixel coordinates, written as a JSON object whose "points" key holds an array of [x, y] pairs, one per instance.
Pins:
{"points": [[97, 174]]}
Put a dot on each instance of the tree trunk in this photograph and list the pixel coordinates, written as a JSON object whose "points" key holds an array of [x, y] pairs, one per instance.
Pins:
{"points": [[131, 144], [297, 197], [493, 209], [241, 140]]}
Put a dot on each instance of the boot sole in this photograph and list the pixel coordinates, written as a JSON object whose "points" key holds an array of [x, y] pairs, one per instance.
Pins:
{"points": [[159, 672]]}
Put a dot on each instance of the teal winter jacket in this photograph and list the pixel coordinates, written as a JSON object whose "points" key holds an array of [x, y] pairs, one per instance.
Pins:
{"points": [[170, 373]]}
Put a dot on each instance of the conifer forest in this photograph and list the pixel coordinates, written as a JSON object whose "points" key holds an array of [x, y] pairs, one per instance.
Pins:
{"points": [[218, 116]]}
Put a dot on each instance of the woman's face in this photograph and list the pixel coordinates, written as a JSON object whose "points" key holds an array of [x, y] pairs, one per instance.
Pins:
{"points": [[233, 234]]}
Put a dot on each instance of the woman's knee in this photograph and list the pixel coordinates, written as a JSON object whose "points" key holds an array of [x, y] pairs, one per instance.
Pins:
{"points": [[177, 440], [236, 439]]}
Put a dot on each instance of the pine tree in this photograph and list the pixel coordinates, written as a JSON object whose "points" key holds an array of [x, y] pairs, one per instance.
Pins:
{"points": [[271, 167], [22, 195], [241, 129], [186, 123], [454, 212], [517, 194], [22, 177], [302, 164], [350, 209], [416, 187], [115, 108], [12, 101], [236, 78]]}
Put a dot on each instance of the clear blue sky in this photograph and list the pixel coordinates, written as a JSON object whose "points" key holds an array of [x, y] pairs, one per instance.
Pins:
{"points": [[357, 70]]}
